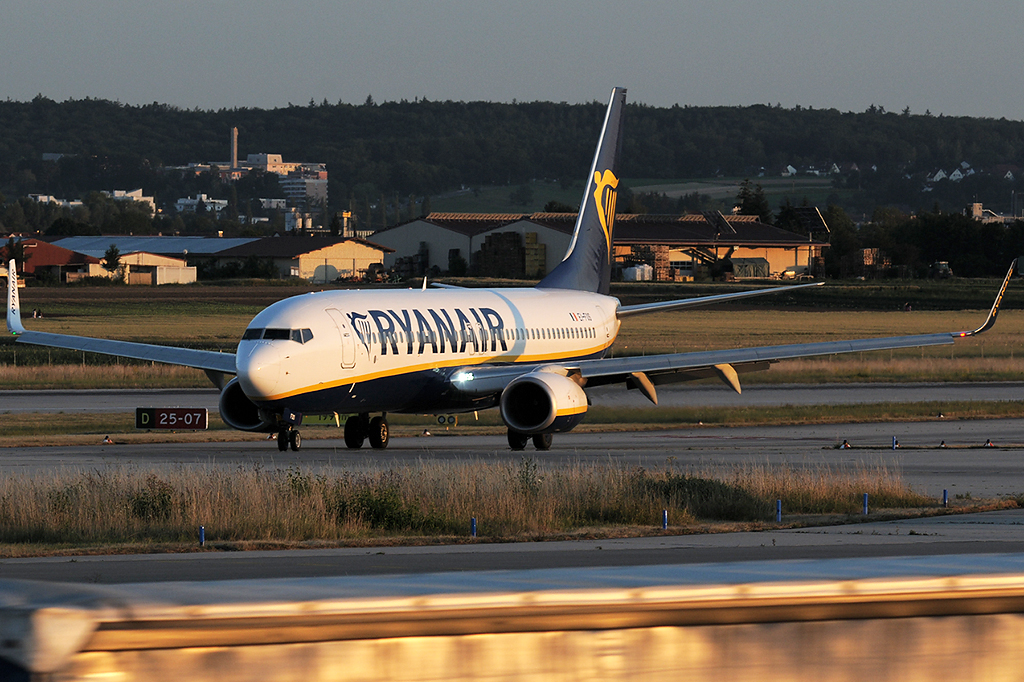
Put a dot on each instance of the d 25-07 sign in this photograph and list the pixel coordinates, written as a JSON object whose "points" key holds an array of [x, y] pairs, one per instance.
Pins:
{"points": [[176, 418]]}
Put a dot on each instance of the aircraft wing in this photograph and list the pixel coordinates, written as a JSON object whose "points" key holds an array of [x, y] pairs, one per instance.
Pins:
{"points": [[646, 372], [627, 310], [209, 361], [726, 364]]}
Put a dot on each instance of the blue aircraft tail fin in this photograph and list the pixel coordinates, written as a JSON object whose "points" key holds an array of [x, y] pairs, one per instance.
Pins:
{"points": [[587, 265]]}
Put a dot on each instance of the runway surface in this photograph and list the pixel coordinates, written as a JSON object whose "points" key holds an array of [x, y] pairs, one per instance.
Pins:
{"points": [[992, 533], [964, 467], [693, 395]]}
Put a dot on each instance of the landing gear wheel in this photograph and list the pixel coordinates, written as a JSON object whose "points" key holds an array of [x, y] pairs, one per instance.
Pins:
{"points": [[517, 441], [282, 440], [355, 432], [294, 440], [542, 441], [379, 433]]}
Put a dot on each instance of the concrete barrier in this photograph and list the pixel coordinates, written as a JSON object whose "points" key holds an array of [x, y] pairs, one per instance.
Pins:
{"points": [[892, 619]]}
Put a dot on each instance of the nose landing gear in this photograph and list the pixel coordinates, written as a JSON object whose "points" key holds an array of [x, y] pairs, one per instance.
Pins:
{"points": [[359, 428]]}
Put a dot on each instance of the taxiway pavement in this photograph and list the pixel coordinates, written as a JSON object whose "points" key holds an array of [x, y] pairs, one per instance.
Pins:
{"points": [[990, 533]]}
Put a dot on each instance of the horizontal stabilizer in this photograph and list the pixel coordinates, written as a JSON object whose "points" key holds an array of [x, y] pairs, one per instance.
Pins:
{"points": [[663, 306]]}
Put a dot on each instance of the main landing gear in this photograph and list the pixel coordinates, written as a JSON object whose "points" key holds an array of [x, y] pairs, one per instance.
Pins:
{"points": [[359, 428], [289, 438], [517, 441]]}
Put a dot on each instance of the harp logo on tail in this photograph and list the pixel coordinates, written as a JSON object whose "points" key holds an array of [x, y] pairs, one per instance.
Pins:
{"points": [[604, 197]]}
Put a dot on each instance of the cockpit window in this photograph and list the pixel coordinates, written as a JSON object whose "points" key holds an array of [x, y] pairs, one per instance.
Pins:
{"points": [[297, 335]]}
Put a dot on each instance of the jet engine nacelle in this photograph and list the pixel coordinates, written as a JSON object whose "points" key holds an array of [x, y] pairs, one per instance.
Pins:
{"points": [[239, 412], [543, 402]]}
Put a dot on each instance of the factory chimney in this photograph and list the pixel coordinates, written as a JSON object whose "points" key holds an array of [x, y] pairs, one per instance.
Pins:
{"points": [[234, 148]]}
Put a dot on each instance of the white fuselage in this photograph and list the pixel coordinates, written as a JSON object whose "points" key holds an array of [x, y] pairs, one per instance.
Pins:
{"points": [[325, 341]]}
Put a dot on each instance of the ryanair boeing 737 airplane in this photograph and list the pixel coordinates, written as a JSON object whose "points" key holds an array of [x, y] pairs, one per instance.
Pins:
{"points": [[530, 352]]}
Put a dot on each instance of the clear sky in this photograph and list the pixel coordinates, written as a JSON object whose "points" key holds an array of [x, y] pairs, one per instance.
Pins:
{"points": [[956, 57]]}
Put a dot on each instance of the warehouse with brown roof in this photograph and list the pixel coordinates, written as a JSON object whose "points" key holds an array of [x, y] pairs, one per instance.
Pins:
{"points": [[531, 245], [318, 259]]}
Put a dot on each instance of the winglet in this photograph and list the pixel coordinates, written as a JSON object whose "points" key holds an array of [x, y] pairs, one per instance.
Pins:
{"points": [[991, 319], [13, 303]]}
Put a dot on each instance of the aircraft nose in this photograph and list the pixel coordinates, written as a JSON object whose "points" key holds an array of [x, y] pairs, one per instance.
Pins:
{"points": [[259, 370]]}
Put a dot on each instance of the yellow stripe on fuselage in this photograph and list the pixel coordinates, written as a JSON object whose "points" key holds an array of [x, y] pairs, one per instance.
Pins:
{"points": [[452, 362]]}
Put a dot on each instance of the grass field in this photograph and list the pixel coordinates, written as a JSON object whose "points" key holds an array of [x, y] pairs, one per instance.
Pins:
{"points": [[161, 509], [722, 192]]}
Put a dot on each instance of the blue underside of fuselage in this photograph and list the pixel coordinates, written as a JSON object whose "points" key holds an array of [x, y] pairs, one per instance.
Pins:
{"points": [[423, 392]]}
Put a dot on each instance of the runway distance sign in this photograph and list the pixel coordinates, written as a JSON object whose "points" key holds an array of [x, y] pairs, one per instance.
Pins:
{"points": [[174, 418]]}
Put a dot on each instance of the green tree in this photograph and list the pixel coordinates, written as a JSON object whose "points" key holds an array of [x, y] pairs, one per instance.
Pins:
{"points": [[521, 196], [112, 259], [15, 248], [843, 240], [68, 227], [752, 201], [558, 207]]}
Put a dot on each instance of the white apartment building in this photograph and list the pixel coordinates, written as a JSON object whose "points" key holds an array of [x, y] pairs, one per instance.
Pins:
{"points": [[189, 204]]}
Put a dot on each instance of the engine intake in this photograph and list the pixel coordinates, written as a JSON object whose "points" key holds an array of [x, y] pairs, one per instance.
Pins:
{"points": [[239, 412], [543, 402]]}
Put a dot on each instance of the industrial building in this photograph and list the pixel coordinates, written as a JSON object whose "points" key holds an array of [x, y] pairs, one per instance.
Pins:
{"points": [[317, 259], [311, 258], [47, 259], [70, 265], [531, 245]]}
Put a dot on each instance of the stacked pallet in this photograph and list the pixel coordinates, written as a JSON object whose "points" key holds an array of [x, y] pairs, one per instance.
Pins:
{"points": [[502, 255], [535, 257]]}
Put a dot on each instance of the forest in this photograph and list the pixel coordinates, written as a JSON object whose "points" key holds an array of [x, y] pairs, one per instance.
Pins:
{"points": [[384, 159]]}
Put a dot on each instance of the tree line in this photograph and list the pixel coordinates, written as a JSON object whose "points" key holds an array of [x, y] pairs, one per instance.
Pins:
{"points": [[385, 160], [424, 147]]}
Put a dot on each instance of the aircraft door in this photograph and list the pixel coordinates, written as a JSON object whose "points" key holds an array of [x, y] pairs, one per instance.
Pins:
{"points": [[604, 324], [348, 339]]}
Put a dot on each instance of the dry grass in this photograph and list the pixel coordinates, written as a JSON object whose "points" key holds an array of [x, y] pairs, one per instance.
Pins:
{"points": [[886, 367], [132, 506], [825, 489], [101, 376], [217, 331], [702, 329]]}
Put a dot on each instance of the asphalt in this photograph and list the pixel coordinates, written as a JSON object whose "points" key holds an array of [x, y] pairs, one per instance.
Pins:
{"points": [[993, 533]]}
